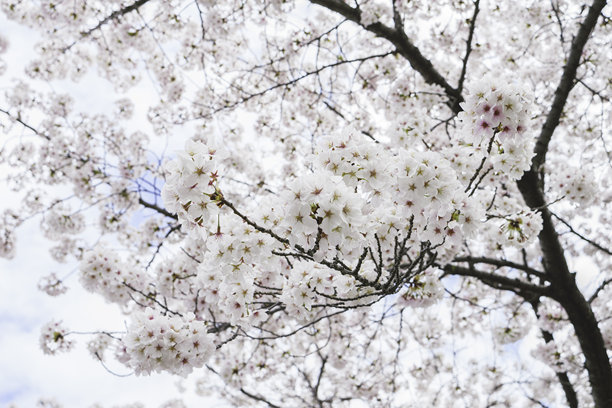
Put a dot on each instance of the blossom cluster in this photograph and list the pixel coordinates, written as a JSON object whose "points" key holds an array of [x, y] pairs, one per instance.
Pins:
{"points": [[192, 180], [496, 119], [343, 218], [401, 185], [578, 185], [359, 195], [372, 11], [519, 229], [52, 285], [514, 329], [493, 108], [67, 246], [425, 290], [175, 344], [322, 201], [53, 338], [98, 345], [557, 355], [104, 272], [61, 220], [329, 238], [551, 316], [8, 222], [234, 258]]}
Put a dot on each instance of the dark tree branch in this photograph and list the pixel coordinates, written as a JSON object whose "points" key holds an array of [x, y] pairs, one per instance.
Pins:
{"points": [[24, 124], [599, 289], [468, 48], [566, 292], [568, 79], [521, 288], [115, 15], [258, 398], [568, 388], [293, 81], [555, 8], [315, 390], [482, 162], [403, 46], [160, 244], [582, 237], [500, 263], [157, 208], [151, 297], [274, 336], [563, 284]]}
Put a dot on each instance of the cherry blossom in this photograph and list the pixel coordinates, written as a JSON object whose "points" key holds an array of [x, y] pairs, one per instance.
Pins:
{"points": [[324, 203]]}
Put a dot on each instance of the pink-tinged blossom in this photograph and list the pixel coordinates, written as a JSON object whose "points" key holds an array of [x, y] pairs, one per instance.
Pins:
{"points": [[496, 118]]}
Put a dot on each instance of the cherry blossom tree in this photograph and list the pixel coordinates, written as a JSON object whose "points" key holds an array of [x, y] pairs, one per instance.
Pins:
{"points": [[329, 202]]}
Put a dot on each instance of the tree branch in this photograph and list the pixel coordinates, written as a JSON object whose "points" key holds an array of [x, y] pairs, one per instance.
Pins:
{"points": [[568, 388], [500, 263], [155, 207], [115, 15], [403, 46], [563, 284], [566, 292], [582, 237], [601, 287], [521, 288], [566, 84], [468, 48], [258, 398], [24, 124], [295, 80]]}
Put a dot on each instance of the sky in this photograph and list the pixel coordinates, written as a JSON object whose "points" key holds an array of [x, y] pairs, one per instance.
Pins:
{"points": [[72, 379]]}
